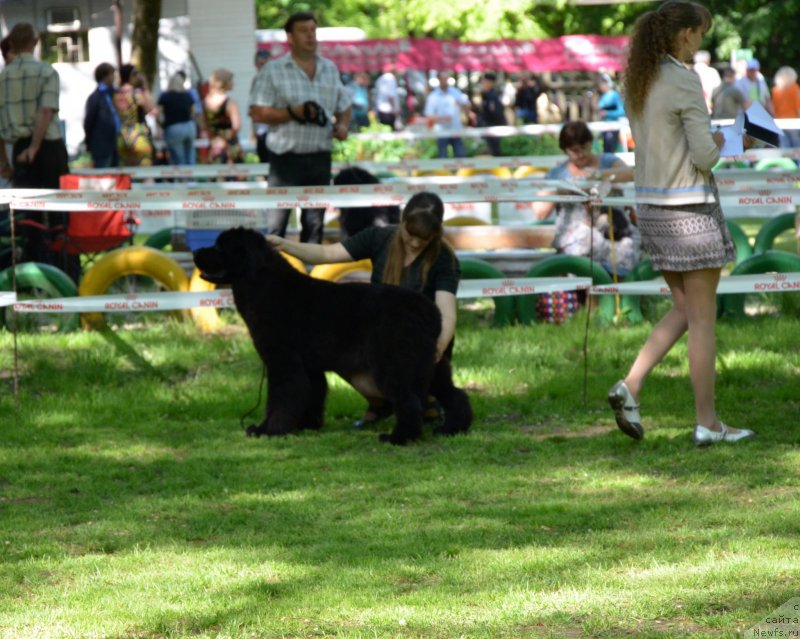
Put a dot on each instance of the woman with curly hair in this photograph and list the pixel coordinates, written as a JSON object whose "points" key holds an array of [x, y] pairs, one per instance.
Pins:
{"points": [[679, 215], [222, 119], [133, 102]]}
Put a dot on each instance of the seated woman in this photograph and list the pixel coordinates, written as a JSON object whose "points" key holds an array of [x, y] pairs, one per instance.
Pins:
{"points": [[581, 229], [413, 254]]}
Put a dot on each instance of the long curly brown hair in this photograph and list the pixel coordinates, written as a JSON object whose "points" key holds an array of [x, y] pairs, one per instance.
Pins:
{"points": [[654, 36]]}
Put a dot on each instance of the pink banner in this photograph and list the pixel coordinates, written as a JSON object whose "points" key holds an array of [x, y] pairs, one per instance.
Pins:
{"points": [[567, 53]]}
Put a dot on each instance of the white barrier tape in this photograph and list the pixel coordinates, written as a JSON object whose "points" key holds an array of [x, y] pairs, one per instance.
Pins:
{"points": [[740, 178], [292, 197], [165, 203], [468, 289], [216, 171], [7, 298], [223, 298], [766, 283]]}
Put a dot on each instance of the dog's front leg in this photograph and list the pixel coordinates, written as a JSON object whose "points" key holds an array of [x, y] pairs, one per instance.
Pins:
{"points": [[285, 405]]}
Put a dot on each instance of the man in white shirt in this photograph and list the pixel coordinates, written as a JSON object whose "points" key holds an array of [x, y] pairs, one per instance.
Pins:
{"points": [[754, 87], [387, 98], [301, 97], [443, 108], [709, 76]]}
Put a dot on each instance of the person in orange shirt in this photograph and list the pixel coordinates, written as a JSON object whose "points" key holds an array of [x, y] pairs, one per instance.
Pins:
{"points": [[786, 101]]}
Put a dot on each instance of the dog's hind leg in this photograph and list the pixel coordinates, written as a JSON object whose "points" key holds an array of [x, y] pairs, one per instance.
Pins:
{"points": [[408, 412], [314, 414], [454, 401], [406, 391]]}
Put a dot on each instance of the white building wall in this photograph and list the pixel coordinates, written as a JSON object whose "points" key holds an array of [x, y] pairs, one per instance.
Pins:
{"points": [[222, 34]]}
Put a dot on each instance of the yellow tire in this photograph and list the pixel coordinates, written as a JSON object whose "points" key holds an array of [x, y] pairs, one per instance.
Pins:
{"points": [[429, 172], [527, 171], [207, 318], [130, 260], [335, 272], [500, 171], [464, 220]]}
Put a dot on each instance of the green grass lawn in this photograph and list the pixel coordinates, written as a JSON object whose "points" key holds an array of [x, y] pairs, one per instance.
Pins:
{"points": [[132, 505]]}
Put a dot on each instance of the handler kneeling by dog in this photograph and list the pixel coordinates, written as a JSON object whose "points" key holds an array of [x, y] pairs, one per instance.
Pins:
{"points": [[413, 255]]}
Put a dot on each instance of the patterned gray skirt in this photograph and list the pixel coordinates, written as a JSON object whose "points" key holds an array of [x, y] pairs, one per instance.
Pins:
{"points": [[685, 238]]}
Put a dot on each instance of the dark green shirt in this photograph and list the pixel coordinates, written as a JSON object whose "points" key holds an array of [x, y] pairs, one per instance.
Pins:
{"points": [[373, 243]]}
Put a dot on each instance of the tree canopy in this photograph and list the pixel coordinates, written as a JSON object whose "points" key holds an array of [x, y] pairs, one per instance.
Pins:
{"points": [[768, 28]]}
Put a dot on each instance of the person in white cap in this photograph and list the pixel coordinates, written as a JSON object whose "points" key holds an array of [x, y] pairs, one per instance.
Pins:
{"points": [[754, 87]]}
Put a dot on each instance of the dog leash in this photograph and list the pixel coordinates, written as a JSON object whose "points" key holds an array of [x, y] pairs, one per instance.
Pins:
{"points": [[258, 402]]}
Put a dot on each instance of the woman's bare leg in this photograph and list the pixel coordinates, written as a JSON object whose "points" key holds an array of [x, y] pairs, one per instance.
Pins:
{"points": [[701, 312], [663, 337]]}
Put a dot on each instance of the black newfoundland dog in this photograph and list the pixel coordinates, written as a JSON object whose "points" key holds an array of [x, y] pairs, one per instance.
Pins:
{"points": [[302, 327], [353, 219]]}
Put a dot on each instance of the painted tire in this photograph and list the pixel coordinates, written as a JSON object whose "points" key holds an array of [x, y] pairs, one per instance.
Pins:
{"points": [[464, 220], [335, 272], [567, 265], [527, 171], [771, 229], [502, 172], [505, 308], [45, 277], [732, 304], [130, 260], [743, 247], [207, 319], [631, 305], [776, 163], [160, 239]]}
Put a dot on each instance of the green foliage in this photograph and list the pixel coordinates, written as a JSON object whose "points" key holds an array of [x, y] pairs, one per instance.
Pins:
{"points": [[769, 28], [520, 145], [356, 149], [134, 506]]}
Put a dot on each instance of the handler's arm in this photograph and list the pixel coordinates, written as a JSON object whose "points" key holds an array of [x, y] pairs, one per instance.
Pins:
{"points": [[446, 303], [311, 253]]}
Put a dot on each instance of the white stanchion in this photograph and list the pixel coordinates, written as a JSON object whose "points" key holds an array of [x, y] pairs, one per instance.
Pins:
{"points": [[223, 298], [7, 298], [766, 283]]}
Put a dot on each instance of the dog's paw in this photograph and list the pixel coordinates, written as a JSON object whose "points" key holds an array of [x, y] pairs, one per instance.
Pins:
{"points": [[253, 431], [392, 439]]}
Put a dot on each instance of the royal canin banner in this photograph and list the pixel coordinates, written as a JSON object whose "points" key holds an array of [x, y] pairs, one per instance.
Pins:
{"points": [[567, 53]]}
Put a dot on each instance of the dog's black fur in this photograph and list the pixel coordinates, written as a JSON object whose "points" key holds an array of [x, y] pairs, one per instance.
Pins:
{"points": [[356, 218], [302, 327]]}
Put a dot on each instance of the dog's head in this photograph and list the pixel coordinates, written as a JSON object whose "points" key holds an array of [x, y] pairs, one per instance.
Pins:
{"points": [[238, 253], [354, 175]]}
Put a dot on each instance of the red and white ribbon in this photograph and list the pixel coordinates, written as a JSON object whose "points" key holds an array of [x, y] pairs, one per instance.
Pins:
{"points": [[766, 283], [7, 298], [223, 298]]}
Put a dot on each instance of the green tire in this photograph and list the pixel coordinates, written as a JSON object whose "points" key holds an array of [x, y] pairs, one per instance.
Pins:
{"points": [[160, 239], [632, 304], [504, 307], [776, 163], [44, 277], [771, 229], [556, 265], [732, 304], [740, 240]]}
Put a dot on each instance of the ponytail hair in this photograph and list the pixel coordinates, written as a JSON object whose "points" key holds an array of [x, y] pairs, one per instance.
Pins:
{"points": [[422, 217], [654, 36]]}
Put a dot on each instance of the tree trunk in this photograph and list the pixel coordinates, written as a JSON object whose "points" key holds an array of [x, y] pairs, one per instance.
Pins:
{"points": [[144, 41]]}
